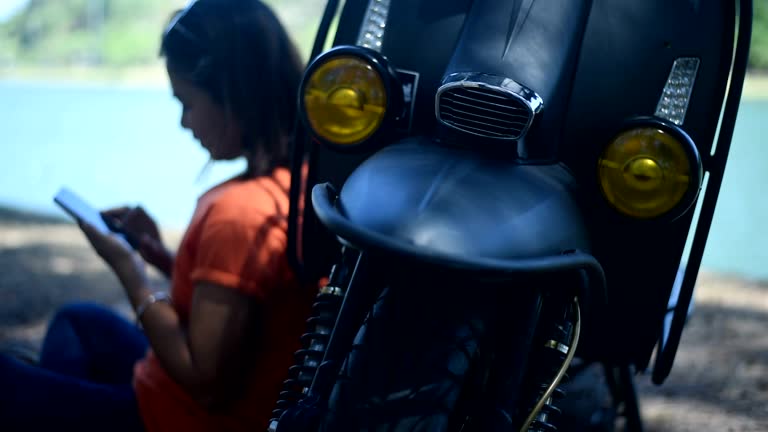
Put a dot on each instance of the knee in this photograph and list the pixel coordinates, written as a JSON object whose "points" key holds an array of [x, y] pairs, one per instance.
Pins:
{"points": [[73, 313]]}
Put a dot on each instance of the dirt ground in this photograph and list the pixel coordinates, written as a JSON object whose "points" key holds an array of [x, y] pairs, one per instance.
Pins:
{"points": [[719, 381]]}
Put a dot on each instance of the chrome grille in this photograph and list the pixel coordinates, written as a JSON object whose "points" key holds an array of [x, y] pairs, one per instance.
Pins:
{"points": [[483, 111], [486, 105]]}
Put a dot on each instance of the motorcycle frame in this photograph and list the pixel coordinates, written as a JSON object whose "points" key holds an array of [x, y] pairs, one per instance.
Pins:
{"points": [[714, 165]]}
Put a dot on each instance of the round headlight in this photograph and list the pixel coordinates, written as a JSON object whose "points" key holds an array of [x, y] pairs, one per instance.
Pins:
{"points": [[649, 170], [344, 99]]}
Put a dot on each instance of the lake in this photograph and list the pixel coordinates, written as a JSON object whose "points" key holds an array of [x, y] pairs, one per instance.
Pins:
{"points": [[124, 145], [111, 145]]}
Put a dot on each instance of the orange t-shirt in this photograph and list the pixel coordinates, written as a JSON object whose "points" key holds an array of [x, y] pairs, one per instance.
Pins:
{"points": [[237, 238]]}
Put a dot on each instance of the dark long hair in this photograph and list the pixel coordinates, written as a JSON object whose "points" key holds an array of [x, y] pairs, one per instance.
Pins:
{"points": [[239, 53]]}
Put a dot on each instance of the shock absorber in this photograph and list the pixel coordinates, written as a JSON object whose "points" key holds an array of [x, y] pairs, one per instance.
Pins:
{"points": [[325, 310], [556, 351]]}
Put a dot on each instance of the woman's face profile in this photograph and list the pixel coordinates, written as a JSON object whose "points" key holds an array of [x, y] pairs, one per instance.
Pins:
{"points": [[210, 124]]}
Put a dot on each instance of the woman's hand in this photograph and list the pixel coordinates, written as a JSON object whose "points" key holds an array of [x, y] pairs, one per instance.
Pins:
{"points": [[142, 230], [118, 255]]}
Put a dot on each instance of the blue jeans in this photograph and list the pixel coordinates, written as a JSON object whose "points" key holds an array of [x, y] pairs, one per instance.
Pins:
{"points": [[84, 378]]}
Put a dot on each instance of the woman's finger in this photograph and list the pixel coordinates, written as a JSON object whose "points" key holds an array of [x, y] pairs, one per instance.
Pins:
{"points": [[138, 222], [95, 238], [117, 212], [136, 217], [90, 232]]}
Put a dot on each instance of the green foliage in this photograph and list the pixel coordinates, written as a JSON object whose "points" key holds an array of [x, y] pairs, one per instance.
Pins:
{"points": [[758, 53], [8, 50], [125, 45], [91, 32], [120, 33]]}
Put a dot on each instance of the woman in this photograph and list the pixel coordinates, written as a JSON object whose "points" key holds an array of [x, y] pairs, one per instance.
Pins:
{"points": [[220, 345]]}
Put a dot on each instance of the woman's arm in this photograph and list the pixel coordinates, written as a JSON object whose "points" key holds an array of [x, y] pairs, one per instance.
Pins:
{"points": [[210, 358], [158, 255], [207, 359]]}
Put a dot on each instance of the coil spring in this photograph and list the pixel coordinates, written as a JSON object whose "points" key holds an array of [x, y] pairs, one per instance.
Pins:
{"points": [[549, 412], [325, 311], [553, 354]]}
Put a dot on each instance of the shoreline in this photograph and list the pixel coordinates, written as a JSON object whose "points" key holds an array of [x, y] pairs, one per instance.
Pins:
{"points": [[153, 77], [25, 218], [149, 76], [22, 218]]}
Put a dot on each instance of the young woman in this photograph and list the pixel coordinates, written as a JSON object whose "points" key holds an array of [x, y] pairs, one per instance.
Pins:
{"points": [[212, 355]]}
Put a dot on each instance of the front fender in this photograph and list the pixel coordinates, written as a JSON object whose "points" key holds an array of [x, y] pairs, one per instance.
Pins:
{"points": [[457, 209]]}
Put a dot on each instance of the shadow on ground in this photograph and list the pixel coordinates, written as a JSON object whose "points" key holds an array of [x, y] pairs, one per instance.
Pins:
{"points": [[45, 264], [720, 377], [14, 216], [37, 278], [719, 381]]}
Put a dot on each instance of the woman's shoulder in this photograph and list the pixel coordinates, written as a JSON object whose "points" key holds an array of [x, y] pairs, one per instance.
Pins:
{"points": [[252, 199]]}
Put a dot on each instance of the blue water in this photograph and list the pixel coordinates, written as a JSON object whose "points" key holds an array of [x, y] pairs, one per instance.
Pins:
{"points": [[125, 145], [738, 239], [111, 145]]}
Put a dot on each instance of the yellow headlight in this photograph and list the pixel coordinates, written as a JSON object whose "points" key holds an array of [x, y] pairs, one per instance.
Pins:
{"points": [[645, 172], [345, 100]]}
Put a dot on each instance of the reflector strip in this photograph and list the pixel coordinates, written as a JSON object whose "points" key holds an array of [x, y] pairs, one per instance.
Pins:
{"points": [[674, 100], [374, 24]]}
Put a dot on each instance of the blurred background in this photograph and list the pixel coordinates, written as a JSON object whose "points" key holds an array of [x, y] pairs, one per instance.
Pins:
{"points": [[85, 103]]}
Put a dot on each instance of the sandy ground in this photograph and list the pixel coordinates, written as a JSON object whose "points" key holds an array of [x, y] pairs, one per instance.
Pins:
{"points": [[719, 382], [46, 263], [720, 378]]}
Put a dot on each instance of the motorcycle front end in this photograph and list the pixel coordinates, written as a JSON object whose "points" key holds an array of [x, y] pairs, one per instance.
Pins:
{"points": [[501, 187]]}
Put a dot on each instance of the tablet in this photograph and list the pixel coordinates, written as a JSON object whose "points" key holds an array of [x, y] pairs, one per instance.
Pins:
{"points": [[80, 210]]}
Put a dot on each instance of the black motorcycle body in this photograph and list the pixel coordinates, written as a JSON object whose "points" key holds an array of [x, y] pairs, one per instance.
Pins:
{"points": [[477, 241]]}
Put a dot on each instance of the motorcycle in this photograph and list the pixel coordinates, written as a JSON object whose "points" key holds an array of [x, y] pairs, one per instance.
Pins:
{"points": [[503, 191]]}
